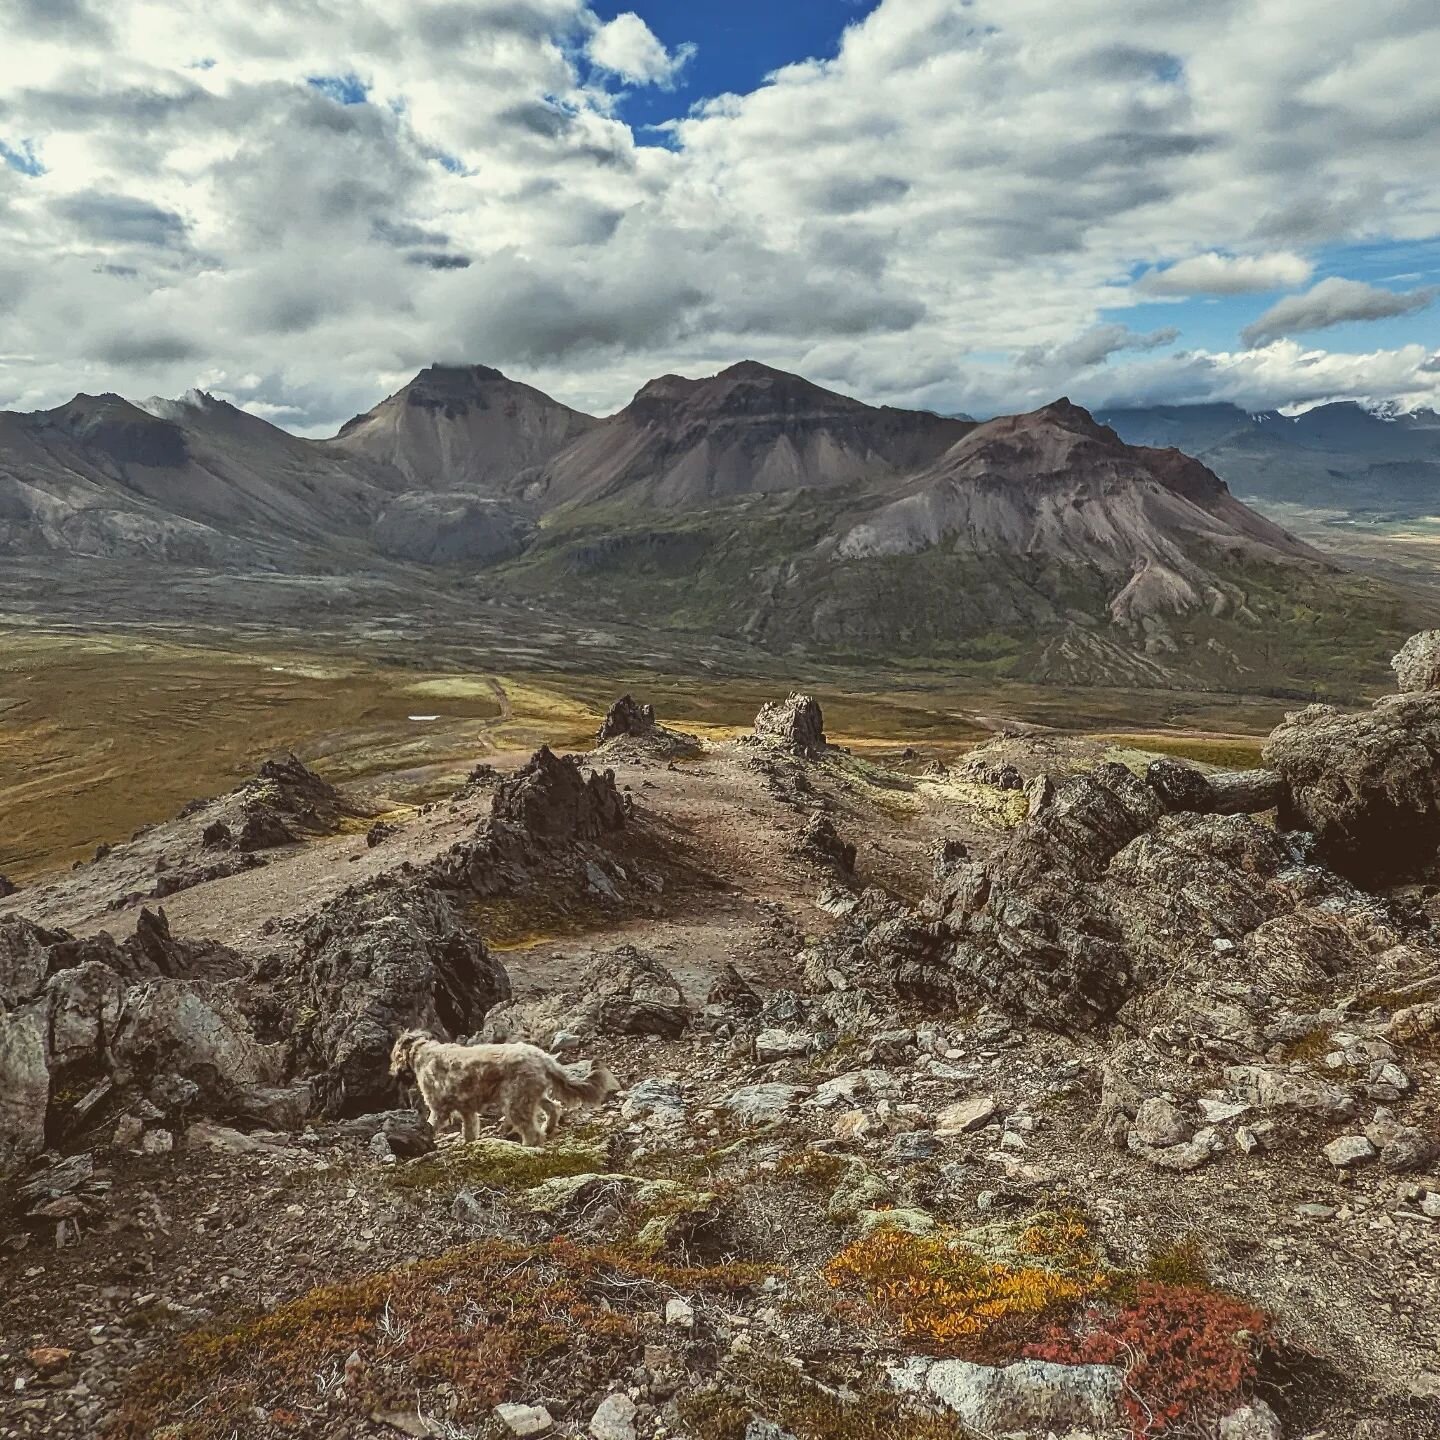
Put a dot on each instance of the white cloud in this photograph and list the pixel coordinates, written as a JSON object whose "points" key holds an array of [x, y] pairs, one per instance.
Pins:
{"points": [[1216, 274], [958, 187], [1332, 302], [626, 46]]}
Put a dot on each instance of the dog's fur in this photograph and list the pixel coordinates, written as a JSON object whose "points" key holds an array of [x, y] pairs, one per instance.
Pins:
{"points": [[528, 1084]]}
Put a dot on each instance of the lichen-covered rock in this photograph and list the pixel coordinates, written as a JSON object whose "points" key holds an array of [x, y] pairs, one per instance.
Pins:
{"points": [[375, 962], [550, 798], [796, 722], [1366, 784], [1417, 666]]}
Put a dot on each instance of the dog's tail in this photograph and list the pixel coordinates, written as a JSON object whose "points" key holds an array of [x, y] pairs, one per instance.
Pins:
{"points": [[588, 1090]]}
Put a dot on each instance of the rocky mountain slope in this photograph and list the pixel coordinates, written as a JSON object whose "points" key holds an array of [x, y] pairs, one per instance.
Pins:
{"points": [[683, 444], [1006, 1099], [751, 503], [466, 429], [1042, 542], [1339, 456], [194, 482]]}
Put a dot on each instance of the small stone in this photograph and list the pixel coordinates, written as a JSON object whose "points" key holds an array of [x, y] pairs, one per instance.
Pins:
{"points": [[49, 1358], [852, 1125], [157, 1142], [1247, 1140], [1348, 1151], [1158, 1123], [1430, 1204], [1217, 1112], [524, 1420], [1255, 1421], [965, 1115], [615, 1419], [679, 1313], [1315, 1211], [128, 1130]]}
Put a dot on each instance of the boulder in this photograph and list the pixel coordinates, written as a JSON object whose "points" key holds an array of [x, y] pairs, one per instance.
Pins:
{"points": [[762, 1104], [551, 798], [1417, 666], [624, 991], [374, 962], [626, 717], [1366, 784], [24, 1087], [1029, 1396], [796, 723], [8, 887]]}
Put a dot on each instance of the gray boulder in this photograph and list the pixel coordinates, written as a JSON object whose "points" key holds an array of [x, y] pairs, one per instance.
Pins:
{"points": [[1417, 666], [1029, 1396], [1366, 784]]}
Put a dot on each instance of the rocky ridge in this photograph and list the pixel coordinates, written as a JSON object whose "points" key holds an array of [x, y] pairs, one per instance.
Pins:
{"points": [[1144, 1070]]}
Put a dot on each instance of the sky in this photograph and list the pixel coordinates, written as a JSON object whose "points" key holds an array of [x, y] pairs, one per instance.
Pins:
{"points": [[964, 205]]}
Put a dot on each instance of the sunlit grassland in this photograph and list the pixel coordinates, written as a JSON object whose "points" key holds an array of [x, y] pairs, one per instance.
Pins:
{"points": [[102, 733]]}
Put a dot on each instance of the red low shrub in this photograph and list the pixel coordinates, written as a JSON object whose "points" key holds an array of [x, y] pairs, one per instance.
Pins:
{"points": [[1189, 1355]]}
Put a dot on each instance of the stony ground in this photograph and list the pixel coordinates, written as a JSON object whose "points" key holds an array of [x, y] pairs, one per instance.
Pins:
{"points": [[818, 1210]]}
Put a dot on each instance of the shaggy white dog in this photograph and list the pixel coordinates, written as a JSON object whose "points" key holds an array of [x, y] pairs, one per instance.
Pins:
{"points": [[528, 1085]]}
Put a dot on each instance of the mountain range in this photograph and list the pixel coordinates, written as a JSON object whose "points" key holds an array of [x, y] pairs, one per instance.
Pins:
{"points": [[1341, 456], [751, 503]]}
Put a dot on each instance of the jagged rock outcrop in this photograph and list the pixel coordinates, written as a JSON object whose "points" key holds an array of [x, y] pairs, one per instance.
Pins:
{"points": [[91, 1008], [284, 801], [8, 887], [1417, 666], [821, 844], [626, 717], [1101, 899], [1366, 784], [796, 722], [551, 798], [375, 962]]}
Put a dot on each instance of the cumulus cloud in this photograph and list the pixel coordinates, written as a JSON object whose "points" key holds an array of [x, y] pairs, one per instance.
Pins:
{"points": [[1215, 274], [627, 47], [1332, 302], [1095, 346], [278, 202]]}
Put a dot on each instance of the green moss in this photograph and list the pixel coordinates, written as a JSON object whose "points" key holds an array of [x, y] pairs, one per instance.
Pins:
{"points": [[499, 1165]]}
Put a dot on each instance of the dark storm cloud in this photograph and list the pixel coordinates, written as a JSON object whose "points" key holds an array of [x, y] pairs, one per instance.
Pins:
{"points": [[844, 195], [120, 219], [144, 351], [438, 260]]}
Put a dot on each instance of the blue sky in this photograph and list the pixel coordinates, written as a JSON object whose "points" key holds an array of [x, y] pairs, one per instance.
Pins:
{"points": [[737, 44], [973, 205]]}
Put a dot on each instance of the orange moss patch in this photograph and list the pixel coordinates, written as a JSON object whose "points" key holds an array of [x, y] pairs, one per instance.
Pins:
{"points": [[479, 1317], [951, 1297]]}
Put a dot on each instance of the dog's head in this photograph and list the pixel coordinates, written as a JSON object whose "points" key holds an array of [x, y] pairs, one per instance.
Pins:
{"points": [[402, 1053]]}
